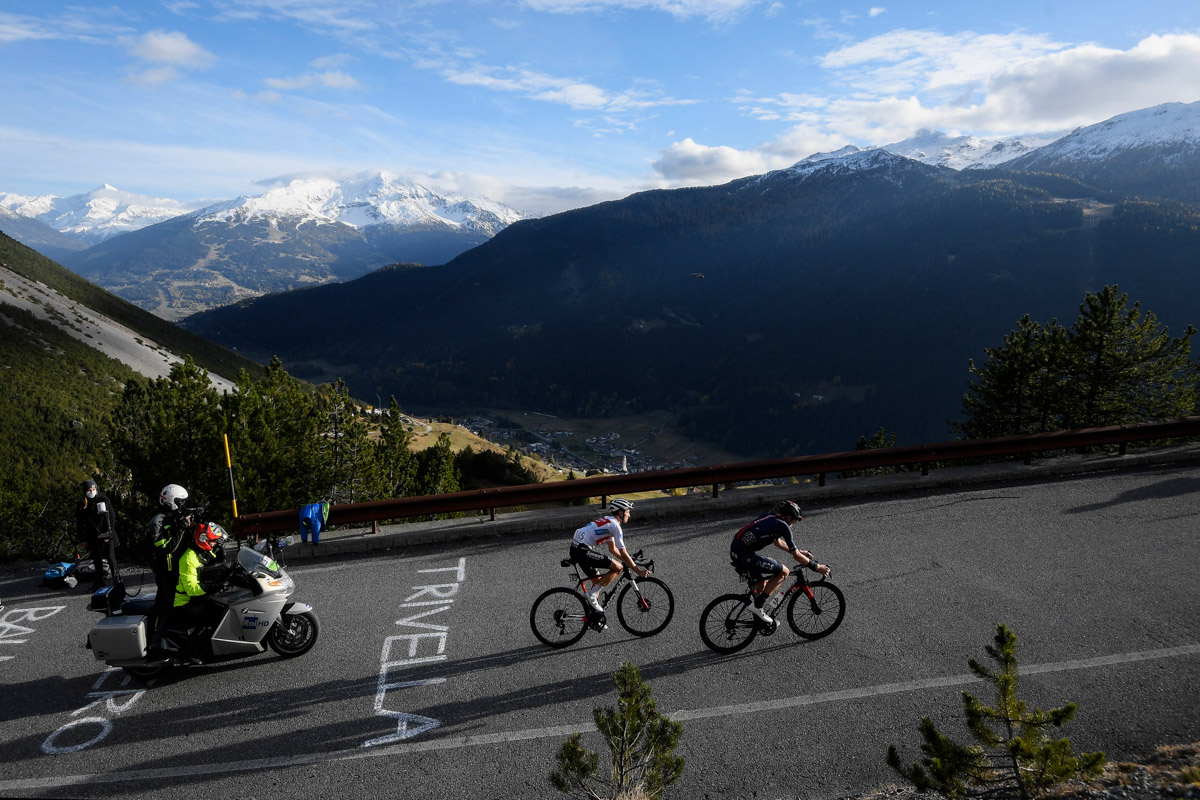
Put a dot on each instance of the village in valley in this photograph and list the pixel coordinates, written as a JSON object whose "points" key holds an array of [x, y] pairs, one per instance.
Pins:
{"points": [[587, 448]]}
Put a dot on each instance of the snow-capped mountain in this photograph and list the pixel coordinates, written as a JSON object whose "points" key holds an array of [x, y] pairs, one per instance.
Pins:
{"points": [[1153, 152], [304, 231], [964, 152], [1174, 127], [363, 201], [845, 161], [38, 235], [97, 215]]}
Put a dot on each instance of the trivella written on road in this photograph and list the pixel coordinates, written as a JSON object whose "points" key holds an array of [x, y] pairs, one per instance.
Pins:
{"points": [[435, 599]]}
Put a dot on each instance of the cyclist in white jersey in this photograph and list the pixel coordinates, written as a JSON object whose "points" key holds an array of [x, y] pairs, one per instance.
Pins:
{"points": [[604, 531]]}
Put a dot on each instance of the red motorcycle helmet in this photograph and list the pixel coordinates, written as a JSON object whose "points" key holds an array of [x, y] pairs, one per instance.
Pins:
{"points": [[209, 535]]}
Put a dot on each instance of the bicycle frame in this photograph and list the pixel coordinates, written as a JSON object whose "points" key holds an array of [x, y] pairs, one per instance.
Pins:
{"points": [[611, 591], [800, 584]]}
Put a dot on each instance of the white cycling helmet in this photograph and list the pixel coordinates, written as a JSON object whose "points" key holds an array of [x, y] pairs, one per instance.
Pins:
{"points": [[172, 497], [619, 504]]}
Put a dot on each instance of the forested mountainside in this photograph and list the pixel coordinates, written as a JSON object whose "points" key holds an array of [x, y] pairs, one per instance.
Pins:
{"points": [[786, 313]]}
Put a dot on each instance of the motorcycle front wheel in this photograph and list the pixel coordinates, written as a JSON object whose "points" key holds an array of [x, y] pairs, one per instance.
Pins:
{"points": [[294, 634]]}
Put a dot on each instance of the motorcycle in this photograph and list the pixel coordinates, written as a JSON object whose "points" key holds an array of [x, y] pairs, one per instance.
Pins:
{"points": [[250, 610]]}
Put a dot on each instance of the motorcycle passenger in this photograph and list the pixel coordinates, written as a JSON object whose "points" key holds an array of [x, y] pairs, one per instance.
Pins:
{"points": [[96, 525], [604, 531], [206, 550], [772, 528], [170, 534]]}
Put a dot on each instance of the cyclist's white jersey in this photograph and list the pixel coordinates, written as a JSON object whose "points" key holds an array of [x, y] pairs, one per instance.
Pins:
{"points": [[600, 531]]}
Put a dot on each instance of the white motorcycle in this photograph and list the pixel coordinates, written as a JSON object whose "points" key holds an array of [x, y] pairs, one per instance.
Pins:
{"points": [[253, 607]]}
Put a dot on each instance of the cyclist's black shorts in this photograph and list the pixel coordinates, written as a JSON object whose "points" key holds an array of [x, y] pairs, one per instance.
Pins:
{"points": [[755, 565], [591, 561]]}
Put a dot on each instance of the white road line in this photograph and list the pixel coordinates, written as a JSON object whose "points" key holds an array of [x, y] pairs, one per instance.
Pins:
{"points": [[455, 742]]}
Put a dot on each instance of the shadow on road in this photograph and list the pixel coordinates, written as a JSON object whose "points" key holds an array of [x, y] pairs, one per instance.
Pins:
{"points": [[1175, 487]]}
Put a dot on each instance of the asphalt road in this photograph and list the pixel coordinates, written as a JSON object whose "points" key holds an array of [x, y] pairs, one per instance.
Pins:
{"points": [[427, 683]]}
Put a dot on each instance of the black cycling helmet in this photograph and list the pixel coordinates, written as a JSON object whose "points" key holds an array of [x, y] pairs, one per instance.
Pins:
{"points": [[789, 509]]}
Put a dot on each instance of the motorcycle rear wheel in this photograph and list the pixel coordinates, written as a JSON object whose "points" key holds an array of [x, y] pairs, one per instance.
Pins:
{"points": [[145, 672], [294, 634]]}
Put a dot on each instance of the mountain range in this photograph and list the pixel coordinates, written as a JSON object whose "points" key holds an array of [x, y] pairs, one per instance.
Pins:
{"points": [[783, 313], [174, 260]]}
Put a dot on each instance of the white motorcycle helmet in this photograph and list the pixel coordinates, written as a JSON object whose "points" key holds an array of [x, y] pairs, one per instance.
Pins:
{"points": [[172, 497]]}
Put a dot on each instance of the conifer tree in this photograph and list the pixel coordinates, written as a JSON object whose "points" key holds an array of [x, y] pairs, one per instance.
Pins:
{"points": [[1127, 367], [1021, 387], [273, 430], [349, 457], [1014, 752], [1114, 366], [397, 463], [641, 743]]}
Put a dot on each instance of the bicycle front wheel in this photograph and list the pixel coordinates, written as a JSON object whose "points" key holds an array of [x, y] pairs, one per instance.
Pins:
{"points": [[646, 610], [727, 624], [819, 616], [558, 617]]}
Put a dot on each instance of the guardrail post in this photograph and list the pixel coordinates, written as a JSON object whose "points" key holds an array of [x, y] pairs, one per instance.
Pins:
{"points": [[493, 509], [374, 526], [714, 491], [821, 479], [1122, 448], [925, 469]]}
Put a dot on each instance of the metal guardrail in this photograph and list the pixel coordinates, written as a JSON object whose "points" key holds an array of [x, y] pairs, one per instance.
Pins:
{"points": [[819, 465]]}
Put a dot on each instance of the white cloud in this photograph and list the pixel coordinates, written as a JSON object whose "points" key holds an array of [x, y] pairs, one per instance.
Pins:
{"points": [[163, 47], [987, 85], [576, 94], [1086, 84], [692, 163], [714, 10], [876, 11], [333, 79]]}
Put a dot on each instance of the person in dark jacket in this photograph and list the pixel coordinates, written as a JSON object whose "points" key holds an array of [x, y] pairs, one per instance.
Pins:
{"points": [[96, 526], [171, 535]]}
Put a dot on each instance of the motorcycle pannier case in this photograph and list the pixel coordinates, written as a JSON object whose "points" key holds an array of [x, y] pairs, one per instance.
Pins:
{"points": [[117, 638]]}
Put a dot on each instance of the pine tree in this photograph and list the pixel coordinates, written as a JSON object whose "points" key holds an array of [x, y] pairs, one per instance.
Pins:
{"points": [[1128, 368], [1013, 752], [1114, 366], [349, 462], [397, 463], [641, 743], [1021, 387]]}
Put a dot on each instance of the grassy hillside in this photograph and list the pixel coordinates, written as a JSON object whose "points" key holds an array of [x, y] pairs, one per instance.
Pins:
{"points": [[31, 264]]}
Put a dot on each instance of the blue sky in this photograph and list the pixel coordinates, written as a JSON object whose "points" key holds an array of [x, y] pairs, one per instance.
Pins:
{"points": [[547, 104]]}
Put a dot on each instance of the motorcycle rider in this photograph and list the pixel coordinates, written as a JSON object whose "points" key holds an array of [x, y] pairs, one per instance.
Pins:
{"points": [[170, 534], [95, 523], [206, 549]]}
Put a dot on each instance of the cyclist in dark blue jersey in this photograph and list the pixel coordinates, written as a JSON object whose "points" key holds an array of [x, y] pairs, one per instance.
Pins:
{"points": [[773, 528]]}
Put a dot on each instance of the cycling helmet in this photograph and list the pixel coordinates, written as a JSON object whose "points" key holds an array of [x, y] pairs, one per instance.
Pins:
{"points": [[619, 504], [209, 535], [789, 509], [172, 497]]}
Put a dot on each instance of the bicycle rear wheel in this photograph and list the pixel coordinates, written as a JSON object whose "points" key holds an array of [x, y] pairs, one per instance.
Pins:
{"points": [[727, 624], [646, 610], [820, 616], [559, 617]]}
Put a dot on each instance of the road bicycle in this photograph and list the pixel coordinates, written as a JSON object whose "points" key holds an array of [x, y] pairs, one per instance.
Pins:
{"points": [[814, 610], [560, 616]]}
